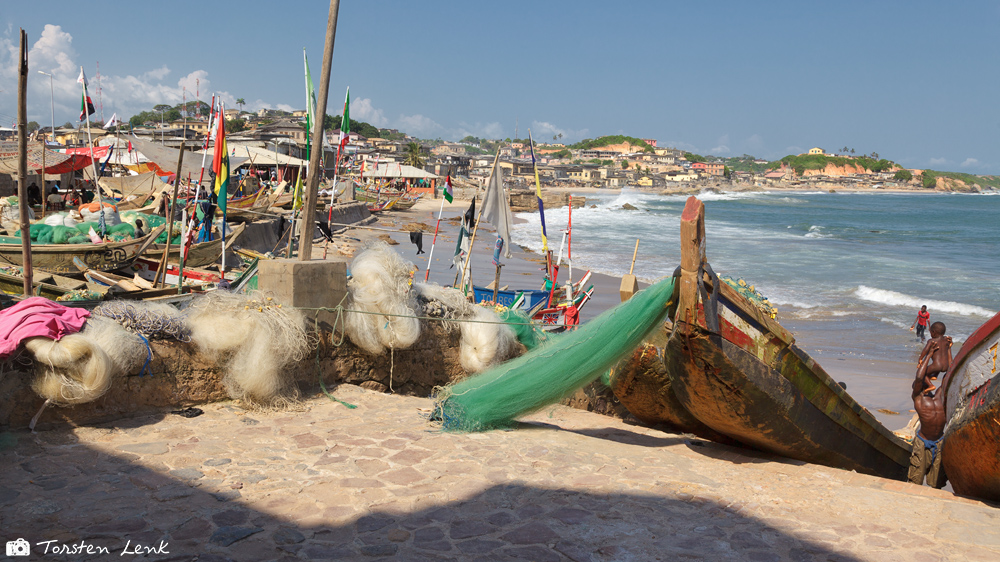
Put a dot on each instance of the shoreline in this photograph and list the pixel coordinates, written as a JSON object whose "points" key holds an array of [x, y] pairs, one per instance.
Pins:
{"points": [[876, 383]]}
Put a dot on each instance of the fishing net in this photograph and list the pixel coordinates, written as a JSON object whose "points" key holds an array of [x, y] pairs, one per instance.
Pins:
{"points": [[485, 339], [253, 339], [79, 367], [752, 295], [151, 320], [528, 333], [79, 239], [382, 310], [494, 398], [62, 234]]}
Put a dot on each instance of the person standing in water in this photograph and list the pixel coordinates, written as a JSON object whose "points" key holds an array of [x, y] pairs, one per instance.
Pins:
{"points": [[921, 322]]}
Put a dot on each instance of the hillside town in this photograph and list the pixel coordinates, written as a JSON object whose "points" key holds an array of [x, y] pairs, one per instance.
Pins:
{"points": [[275, 142]]}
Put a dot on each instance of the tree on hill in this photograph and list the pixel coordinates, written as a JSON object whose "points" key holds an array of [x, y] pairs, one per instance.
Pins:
{"points": [[587, 144], [903, 175], [241, 102], [235, 125], [692, 157]]}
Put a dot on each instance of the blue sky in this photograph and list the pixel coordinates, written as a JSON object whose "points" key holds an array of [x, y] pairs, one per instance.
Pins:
{"points": [[914, 81]]}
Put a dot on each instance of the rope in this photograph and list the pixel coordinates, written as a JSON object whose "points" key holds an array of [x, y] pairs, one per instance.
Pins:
{"points": [[340, 310], [149, 357], [319, 374]]}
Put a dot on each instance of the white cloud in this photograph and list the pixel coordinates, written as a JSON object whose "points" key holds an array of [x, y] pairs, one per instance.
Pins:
{"points": [[969, 163], [721, 146], [492, 130], [362, 109], [418, 126], [938, 161], [754, 144]]}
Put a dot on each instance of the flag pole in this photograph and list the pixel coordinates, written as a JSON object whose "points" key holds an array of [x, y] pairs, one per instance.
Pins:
{"points": [[475, 228], [430, 256], [315, 164], [93, 163], [22, 165]]}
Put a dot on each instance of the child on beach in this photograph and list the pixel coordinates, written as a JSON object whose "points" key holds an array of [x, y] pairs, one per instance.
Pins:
{"points": [[921, 322], [934, 359]]}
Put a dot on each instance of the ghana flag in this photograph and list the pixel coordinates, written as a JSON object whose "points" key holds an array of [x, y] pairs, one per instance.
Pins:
{"points": [[220, 163]]}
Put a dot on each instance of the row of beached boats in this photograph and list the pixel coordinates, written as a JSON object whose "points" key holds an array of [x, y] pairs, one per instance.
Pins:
{"points": [[722, 368]]}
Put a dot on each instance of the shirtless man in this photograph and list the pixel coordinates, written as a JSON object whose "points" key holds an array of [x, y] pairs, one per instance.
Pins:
{"points": [[935, 357], [925, 460]]}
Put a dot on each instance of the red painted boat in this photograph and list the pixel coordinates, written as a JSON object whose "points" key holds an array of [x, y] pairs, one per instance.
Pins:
{"points": [[971, 447]]}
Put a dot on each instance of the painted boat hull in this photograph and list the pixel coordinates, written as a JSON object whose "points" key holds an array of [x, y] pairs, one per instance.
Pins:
{"points": [[202, 254], [740, 373], [58, 258], [532, 298], [971, 447]]}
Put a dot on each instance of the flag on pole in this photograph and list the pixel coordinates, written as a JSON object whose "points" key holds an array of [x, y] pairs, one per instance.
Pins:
{"points": [[220, 164], [297, 193], [464, 245], [449, 191], [111, 122], [345, 123], [538, 193], [86, 105], [310, 104], [496, 210]]}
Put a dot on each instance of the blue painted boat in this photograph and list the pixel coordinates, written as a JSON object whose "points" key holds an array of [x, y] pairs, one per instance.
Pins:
{"points": [[532, 298]]}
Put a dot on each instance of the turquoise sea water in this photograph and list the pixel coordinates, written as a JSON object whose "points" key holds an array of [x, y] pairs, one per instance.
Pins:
{"points": [[850, 269]]}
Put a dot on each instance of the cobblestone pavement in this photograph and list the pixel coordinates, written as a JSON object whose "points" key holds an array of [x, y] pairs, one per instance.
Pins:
{"points": [[378, 481]]}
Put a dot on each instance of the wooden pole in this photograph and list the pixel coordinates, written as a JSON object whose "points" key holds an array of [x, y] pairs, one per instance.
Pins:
{"points": [[42, 191], [316, 158], [170, 222], [22, 163]]}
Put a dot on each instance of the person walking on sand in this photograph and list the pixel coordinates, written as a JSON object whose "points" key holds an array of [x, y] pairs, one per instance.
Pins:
{"points": [[925, 460], [921, 322]]}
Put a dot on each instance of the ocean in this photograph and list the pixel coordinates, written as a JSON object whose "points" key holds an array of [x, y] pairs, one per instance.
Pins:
{"points": [[847, 271]]}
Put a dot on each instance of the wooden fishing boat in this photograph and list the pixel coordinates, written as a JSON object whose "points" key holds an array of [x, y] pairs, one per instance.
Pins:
{"points": [[201, 254], [737, 371], [58, 258], [971, 447], [53, 287]]}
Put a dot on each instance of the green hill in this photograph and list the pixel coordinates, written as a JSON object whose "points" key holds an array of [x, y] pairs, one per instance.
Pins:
{"points": [[588, 144]]}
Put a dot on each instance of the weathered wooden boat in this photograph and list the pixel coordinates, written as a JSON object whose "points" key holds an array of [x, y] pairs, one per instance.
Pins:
{"points": [[201, 254], [53, 287], [737, 371], [58, 258], [971, 447]]}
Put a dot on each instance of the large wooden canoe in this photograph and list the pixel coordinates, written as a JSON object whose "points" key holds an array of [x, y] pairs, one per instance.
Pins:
{"points": [[58, 258], [971, 448], [740, 373], [201, 254]]}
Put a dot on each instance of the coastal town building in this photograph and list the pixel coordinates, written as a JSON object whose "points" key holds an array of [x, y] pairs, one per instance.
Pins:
{"points": [[816, 150]]}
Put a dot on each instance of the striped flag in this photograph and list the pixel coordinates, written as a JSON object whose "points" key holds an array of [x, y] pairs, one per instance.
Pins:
{"points": [[538, 193], [449, 191], [86, 105], [220, 164]]}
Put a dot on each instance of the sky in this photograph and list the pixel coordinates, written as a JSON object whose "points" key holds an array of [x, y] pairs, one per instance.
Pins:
{"points": [[913, 81]]}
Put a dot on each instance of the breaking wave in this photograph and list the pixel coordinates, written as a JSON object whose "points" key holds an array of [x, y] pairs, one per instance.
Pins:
{"points": [[892, 298]]}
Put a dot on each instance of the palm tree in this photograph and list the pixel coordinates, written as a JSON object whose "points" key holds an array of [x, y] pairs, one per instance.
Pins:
{"points": [[241, 102], [413, 155]]}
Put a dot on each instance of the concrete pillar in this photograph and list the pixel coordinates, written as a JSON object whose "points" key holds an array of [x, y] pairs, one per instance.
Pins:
{"points": [[306, 284]]}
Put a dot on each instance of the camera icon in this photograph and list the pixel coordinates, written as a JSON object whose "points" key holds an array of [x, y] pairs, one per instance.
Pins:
{"points": [[20, 547]]}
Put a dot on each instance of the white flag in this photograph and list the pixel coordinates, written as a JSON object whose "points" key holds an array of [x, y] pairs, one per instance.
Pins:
{"points": [[111, 122], [82, 79], [496, 211]]}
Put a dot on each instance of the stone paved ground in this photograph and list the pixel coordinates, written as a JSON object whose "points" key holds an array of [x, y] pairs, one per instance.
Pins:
{"points": [[380, 482]]}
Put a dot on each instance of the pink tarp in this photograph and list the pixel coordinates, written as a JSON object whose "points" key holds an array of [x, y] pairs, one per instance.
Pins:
{"points": [[37, 316]]}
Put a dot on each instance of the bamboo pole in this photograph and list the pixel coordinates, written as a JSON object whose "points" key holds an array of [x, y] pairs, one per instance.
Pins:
{"points": [[22, 163], [170, 222], [315, 160]]}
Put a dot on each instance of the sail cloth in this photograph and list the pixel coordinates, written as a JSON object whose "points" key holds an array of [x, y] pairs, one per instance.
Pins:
{"points": [[141, 184], [166, 158], [496, 209]]}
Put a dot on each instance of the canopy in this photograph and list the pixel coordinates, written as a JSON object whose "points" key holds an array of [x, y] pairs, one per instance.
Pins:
{"points": [[165, 158], [56, 162], [132, 185], [258, 156], [396, 170]]}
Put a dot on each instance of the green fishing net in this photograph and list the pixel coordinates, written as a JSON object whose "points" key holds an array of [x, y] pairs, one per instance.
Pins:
{"points": [[498, 396], [751, 294], [528, 333]]}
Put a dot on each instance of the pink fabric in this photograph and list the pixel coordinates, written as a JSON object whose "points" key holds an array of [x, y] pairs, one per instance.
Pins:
{"points": [[37, 316]]}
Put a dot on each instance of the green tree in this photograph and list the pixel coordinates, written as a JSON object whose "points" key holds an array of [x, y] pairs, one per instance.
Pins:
{"points": [[903, 175], [692, 157], [928, 179], [624, 164], [67, 125], [241, 102], [33, 126], [235, 125], [414, 155], [726, 172]]}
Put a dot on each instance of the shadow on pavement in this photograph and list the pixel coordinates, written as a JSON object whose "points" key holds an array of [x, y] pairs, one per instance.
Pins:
{"points": [[54, 488]]}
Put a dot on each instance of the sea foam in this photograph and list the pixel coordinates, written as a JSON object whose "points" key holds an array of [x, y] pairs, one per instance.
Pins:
{"points": [[892, 298]]}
